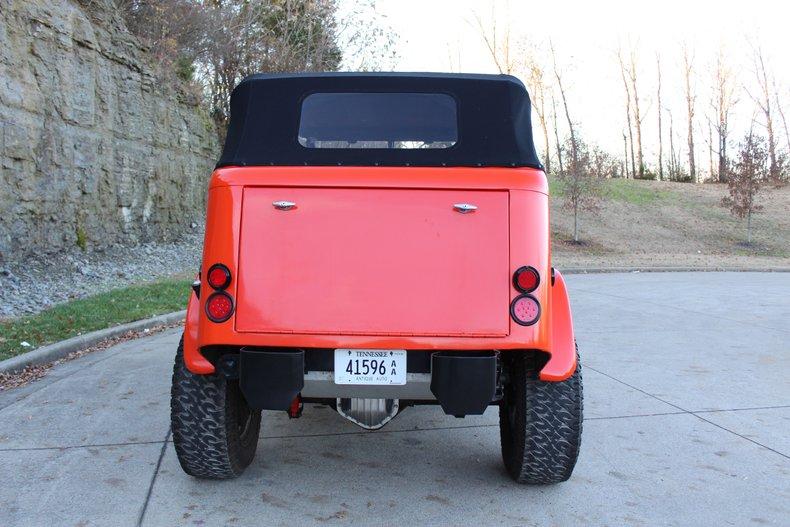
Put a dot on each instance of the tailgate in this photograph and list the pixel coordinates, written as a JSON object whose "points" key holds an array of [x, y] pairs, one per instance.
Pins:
{"points": [[374, 261]]}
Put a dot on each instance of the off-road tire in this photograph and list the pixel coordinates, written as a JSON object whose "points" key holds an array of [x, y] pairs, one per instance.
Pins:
{"points": [[540, 422], [214, 430]]}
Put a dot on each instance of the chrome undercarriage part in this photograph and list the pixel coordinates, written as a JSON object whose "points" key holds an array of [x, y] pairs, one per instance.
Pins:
{"points": [[370, 414], [321, 385]]}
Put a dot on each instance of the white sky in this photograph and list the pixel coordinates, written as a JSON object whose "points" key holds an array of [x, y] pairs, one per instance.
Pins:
{"points": [[442, 35]]}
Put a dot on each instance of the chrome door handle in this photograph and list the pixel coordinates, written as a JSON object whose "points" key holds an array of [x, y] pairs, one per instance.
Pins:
{"points": [[284, 205], [465, 208]]}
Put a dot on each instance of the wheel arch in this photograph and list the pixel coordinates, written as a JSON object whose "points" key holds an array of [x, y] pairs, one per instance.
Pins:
{"points": [[194, 361], [562, 362]]}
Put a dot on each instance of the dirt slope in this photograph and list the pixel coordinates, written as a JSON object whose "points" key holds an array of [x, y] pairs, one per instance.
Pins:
{"points": [[663, 224]]}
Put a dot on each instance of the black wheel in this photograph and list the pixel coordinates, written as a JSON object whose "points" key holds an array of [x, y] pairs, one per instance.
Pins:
{"points": [[215, 432], [540, 423]]}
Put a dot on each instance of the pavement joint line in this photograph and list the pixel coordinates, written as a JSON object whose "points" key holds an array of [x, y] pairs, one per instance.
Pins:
{"points": [[741, 435], [777, 407], [153, 479], [330, 434], [71, 447], [695, 414], [678, 308]]}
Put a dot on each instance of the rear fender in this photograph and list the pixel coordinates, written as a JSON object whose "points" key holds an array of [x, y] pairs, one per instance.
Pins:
{"points": [[195, 362], [562, 363]]}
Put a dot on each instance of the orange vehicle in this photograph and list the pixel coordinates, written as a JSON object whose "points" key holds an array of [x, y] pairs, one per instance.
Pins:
{"points": [[373, 242]]}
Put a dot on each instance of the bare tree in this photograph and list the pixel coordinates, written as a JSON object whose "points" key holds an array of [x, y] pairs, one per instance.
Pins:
{"points": [[632, 75], [216, 43], [746, 175], [561, 87], [660, 138], [174, 31], [580, 182], [722, 102], [711, 171], [627, 108], [784, 121], [515, 55], [538, 88], [556, 132], [602, 165], [368, 41], [581, 188], [625, 155], [766, 84], [674, 164], [688, 63], [497, 41]]}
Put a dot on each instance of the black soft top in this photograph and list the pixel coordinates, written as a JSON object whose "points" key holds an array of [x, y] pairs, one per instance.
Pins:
{"points": [[492, 112]]}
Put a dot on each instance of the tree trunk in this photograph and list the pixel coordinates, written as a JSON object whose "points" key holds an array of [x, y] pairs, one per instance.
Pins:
{"points": [[565, 105], [723, 105], [625, 157], [557, 133], [749, 227], [784, 121], [627, 112], [710, 150], [660, 141], [692, 166], [576, 221], [545, 129], [773, 168], [722, 157], [672, 159], [765, 106], [690, 110], [637, 118], [570, 124]]}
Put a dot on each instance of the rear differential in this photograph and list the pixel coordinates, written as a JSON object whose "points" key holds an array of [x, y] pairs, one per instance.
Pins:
{"points": [[370, 414]]}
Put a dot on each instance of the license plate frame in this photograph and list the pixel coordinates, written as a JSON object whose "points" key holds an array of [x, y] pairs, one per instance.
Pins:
{"points": [[355, 367]]}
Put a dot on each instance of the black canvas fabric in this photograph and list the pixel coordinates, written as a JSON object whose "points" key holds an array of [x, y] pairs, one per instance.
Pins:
{"points": [[494, 126]]}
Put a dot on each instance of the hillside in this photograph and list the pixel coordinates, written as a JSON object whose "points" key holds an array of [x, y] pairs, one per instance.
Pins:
{"points": [[665, 224], [95, 150]]}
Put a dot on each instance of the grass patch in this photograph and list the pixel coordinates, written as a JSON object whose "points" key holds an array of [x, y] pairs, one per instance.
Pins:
{"points": [[616, 189], [555, 187], [100, 311], [633, 191]]}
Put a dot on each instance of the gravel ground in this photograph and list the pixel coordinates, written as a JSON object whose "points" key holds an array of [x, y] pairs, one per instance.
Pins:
{"points": [[34, 284]]}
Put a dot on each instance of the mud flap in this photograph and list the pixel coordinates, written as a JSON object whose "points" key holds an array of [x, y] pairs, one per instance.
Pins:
{"points": [[271, 379], [464, 383]]}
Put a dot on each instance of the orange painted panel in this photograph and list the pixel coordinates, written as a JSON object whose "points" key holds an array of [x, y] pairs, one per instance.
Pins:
{"points": [[374, 262], [527, 228]]}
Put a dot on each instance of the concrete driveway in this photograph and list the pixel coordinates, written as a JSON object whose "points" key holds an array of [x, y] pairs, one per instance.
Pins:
{"points": [[687, 422]]}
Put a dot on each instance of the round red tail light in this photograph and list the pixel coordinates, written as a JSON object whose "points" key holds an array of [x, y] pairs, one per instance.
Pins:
{"points": [[525, 310], [219, 307], [218, 276], [526, 279]]}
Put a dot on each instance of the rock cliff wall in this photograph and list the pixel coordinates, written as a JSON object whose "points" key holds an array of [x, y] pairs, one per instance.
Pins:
{"points": [[93, 149]]}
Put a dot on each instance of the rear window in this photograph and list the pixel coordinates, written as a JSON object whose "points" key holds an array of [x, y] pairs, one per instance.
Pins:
{"points": [[378, 120]]}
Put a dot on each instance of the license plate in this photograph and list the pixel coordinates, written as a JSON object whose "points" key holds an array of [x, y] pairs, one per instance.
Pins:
{"points": [[378, 367]]}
